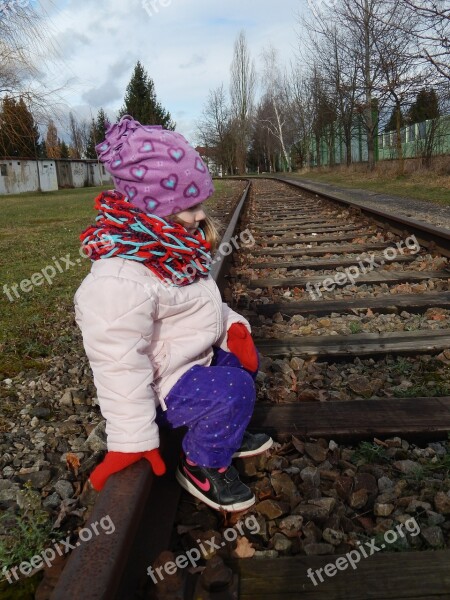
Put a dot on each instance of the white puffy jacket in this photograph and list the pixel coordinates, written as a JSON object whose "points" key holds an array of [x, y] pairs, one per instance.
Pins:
{"points": [[140, 337]]}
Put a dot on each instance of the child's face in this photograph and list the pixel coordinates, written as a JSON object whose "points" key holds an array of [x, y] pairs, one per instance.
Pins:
{"points": [[192, 217]]}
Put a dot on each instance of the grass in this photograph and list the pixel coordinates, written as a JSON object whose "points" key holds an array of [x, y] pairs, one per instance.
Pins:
{"points": [[421, 185], [431, 379], [25, 534], [39, 230], [355, 327], [368, 453]]}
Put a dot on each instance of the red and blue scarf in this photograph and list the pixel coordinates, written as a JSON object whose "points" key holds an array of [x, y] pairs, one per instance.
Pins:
{"points": [[167, 249]]}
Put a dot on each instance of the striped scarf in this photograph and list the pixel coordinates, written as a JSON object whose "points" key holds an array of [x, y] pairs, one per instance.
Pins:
{"points": [[167, 249]]}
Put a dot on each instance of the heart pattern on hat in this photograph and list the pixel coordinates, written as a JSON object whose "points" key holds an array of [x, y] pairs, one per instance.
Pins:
{"points": [[150, 203], [130, 191], [156, 170], [139, 172], [146, 147], [170, 183], [176, 154], [191, 191], [199, 165]]}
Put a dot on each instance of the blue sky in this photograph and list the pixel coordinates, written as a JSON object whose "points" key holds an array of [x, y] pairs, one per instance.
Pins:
{"points": [[185, 45]]}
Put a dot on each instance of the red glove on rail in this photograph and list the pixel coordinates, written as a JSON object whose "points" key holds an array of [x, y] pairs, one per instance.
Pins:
{"points": [[241, 344], [116, 461]]}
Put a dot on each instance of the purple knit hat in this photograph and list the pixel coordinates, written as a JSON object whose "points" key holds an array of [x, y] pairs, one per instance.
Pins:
{"points": [[156, 169]]}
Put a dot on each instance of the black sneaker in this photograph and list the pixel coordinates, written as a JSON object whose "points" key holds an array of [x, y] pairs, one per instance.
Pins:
{"points": [[253, 444], [222, 491]]}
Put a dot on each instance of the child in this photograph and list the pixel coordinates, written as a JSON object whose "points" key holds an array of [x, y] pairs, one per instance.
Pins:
{"points": [[162, 345]]}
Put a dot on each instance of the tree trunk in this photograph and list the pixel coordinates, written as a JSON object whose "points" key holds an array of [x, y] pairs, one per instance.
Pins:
{"points": [[398, 116], [368, 85]]}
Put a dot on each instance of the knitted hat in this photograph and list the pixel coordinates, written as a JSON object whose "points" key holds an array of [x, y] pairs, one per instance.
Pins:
{"points": [[155, 169]]}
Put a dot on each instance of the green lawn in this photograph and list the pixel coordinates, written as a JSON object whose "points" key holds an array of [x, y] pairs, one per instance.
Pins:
{"points": [[421, 185], [39, 231]]}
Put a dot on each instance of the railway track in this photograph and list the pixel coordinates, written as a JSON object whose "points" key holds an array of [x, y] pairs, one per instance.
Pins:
{"points": [[333, 286]]}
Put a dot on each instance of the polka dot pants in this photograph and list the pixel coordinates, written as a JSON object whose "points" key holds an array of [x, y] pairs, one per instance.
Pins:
{"points": [[216, 404]]}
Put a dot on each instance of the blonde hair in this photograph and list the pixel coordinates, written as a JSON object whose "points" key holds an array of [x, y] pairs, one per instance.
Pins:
{"points": [[208, 225]]}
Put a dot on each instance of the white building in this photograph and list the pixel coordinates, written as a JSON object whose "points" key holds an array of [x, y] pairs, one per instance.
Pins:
{"points": [[18, 175]]}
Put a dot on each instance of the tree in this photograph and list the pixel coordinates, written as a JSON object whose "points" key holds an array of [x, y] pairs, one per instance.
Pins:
{"points": [[432, 33], [385, 64], [141, 102], [425, 107], [76, 138], [52, 143], [242, 91], [264, 146], [96, 133], [215, 130], [63, 150], [426, 110], [19, 134], [276, 93], [392, 122]]}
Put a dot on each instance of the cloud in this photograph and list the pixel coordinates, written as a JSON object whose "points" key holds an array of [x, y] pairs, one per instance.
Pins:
{"points": [[194, 62], [104, 95], [186, 47]]}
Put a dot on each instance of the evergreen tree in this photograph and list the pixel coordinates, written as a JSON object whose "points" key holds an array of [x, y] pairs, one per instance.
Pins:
{"points": [[141, 102], [100, 125], [63, 150], [426, 106], [97, 133], [92, 141], [19, 134], [391, 125]]}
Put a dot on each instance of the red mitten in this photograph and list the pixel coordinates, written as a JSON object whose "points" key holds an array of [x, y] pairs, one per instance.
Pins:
{"points": [[117, 461], [241, 344]]}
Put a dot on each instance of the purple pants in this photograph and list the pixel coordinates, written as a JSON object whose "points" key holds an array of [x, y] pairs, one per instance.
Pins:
{"points": [[216, 404]]}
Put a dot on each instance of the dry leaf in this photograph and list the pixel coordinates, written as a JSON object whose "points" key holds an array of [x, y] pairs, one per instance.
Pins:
{"points": [[243, 548], [73, 463], [298, 445], [438, 317]]}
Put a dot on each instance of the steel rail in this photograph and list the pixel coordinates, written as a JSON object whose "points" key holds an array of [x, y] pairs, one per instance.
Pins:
{"points": [[142, 508], [430, 236]]}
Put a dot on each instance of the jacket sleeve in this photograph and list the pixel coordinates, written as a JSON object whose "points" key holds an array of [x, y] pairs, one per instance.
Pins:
{"points": [[115, 316], [228, 318]]}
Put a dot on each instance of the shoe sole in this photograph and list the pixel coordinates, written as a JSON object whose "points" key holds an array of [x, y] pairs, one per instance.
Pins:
{"points": [[189, 487], [260, 450]]}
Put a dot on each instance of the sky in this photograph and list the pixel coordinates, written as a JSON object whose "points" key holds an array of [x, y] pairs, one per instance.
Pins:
{"points": [[186, 46]]}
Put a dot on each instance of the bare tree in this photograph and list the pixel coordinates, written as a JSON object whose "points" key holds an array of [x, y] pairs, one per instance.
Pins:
{"points": [[277, 95], [242, 92], [302, 111], [432, 32], [214, 129], [368, 39], [76, 137]]}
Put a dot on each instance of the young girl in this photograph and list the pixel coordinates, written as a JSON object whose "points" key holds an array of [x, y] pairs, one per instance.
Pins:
{"points": [[162, 345]]}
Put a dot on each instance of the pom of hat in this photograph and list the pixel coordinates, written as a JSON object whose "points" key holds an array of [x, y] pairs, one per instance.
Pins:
{"points": [[155, 169]]}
